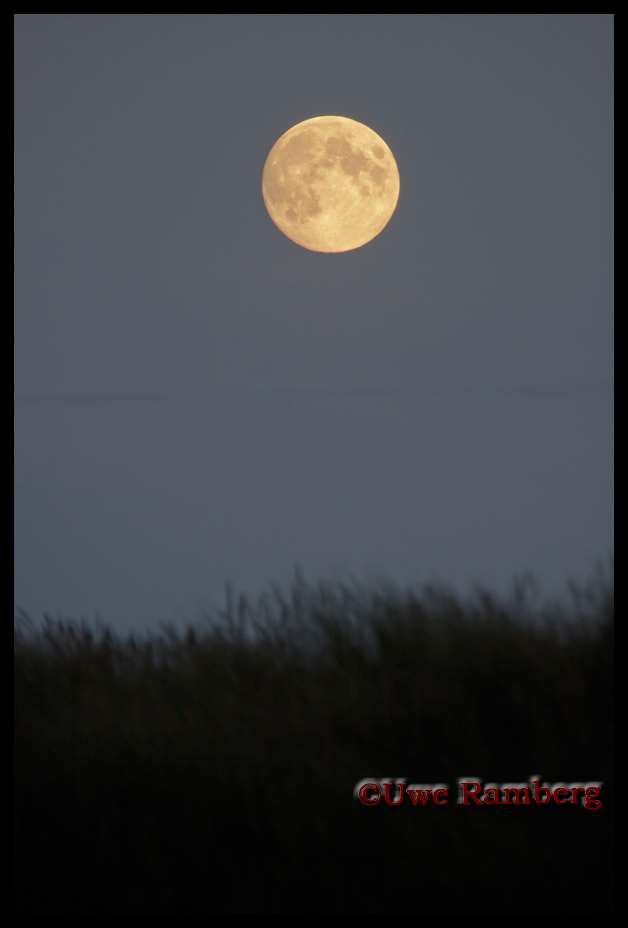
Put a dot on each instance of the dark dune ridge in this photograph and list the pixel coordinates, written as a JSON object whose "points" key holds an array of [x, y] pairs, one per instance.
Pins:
{"points": [[213, 772]]}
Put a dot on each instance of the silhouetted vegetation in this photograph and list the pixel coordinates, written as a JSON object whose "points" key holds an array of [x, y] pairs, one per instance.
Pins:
{"points": [[213, 772]]}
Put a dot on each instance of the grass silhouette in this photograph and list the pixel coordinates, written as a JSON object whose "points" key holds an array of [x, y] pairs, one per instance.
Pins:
{"points": [[213, 772]]}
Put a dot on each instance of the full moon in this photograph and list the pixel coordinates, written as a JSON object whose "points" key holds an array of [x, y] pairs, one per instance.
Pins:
{"points": [[330, 184]]}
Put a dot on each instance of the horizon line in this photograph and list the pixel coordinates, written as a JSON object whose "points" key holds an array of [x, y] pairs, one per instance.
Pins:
{"points": [[320, 393]]}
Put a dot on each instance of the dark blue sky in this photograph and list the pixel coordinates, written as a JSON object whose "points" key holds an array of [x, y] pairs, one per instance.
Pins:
{"points": [[200, 400]]}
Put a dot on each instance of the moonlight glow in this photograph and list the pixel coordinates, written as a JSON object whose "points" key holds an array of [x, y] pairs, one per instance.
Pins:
{"points": [[330, 184]]}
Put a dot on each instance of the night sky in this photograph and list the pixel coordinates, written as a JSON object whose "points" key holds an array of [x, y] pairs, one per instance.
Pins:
{"points": [[200, 400]]}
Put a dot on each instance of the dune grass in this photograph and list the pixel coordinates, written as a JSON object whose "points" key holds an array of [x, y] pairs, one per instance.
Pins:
{"points": [[213, 772]]}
